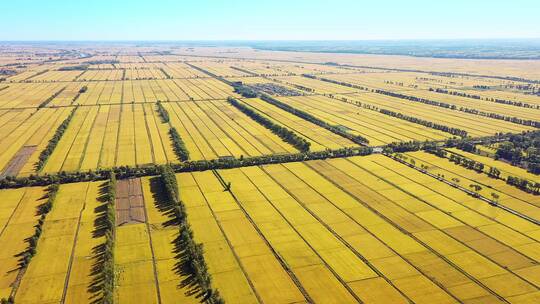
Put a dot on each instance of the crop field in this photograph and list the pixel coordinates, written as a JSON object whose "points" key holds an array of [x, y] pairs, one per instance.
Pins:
{"points": [[26, 95], [214, 129], [361, 222], [509, 196], [505, 168], [170, 173], [318, 137], [474, 125], [379, 129], [18, 215], [61, 270], [28, 128], [112, 135], [141, 91]]}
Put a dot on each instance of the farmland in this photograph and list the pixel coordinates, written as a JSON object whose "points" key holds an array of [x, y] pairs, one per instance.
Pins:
{"points": [[317, 215], [177, 174]]}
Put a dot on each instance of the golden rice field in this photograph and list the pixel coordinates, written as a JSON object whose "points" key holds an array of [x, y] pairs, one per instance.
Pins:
{"points": [[275, 225], [358, 225], [319, 137], [475, 125], [18, 215], [214, 129], [509, 196], [112, 135], [61, 270], [378, 128], [27, 128], [366, 229]]}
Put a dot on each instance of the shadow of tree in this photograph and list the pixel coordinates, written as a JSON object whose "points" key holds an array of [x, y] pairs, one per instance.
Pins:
{"points": [[95, 287], [164, 206], [182, 266]]}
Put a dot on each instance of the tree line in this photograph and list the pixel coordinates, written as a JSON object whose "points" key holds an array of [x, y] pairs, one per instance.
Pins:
{"points": [[46, 102], [522, 149], [187, 166], [44, 155], [31, 251], [358, 139], [496, 100], [108, 269], [493, 172], [513, 119], [193, 251], [179, 146], [284, 133]]}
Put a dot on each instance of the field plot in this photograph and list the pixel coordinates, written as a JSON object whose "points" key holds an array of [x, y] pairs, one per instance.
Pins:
{"points": [[214, 129], [18, 215], [368, 227], [25, 95], [319, 137], [505, 168], [316, 86], [181, 70], [220, 68], [509, 196], [61, 270], [405, 82], [376, 127], [68, 96], [147, 253], [150, 91], [147, 73], [475, 125], [295, 69], [53, 76], [27, 133], [96, 75], [116, 135]]}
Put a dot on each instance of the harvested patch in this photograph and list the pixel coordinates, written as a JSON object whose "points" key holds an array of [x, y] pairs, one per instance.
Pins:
{"points": [[17, 162], [129, 202]]}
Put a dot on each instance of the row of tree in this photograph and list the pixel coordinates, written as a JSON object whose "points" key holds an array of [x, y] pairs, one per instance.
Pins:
{"points": [[108, 270], [178, 145], [496, 100], [46, 102], [513, 119], [163, 113], [193, 252], [82, 90], [426, 123], [43, 210], [521, 149], [358, 139], [467, 163], [493, 172], [287, 135], [31, 251], [167, 75], [44, 155], [187, 166], [341, 83]]}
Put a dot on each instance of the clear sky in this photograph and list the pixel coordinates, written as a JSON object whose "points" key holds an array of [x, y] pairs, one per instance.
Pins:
{"points": [[267, 20]]}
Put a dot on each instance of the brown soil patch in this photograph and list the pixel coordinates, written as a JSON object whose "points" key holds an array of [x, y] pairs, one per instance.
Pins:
{"points": [[129, 203], [17, 162]]}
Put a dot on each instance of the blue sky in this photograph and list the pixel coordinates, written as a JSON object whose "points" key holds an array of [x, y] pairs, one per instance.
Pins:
{"points": [[267, 20]]}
